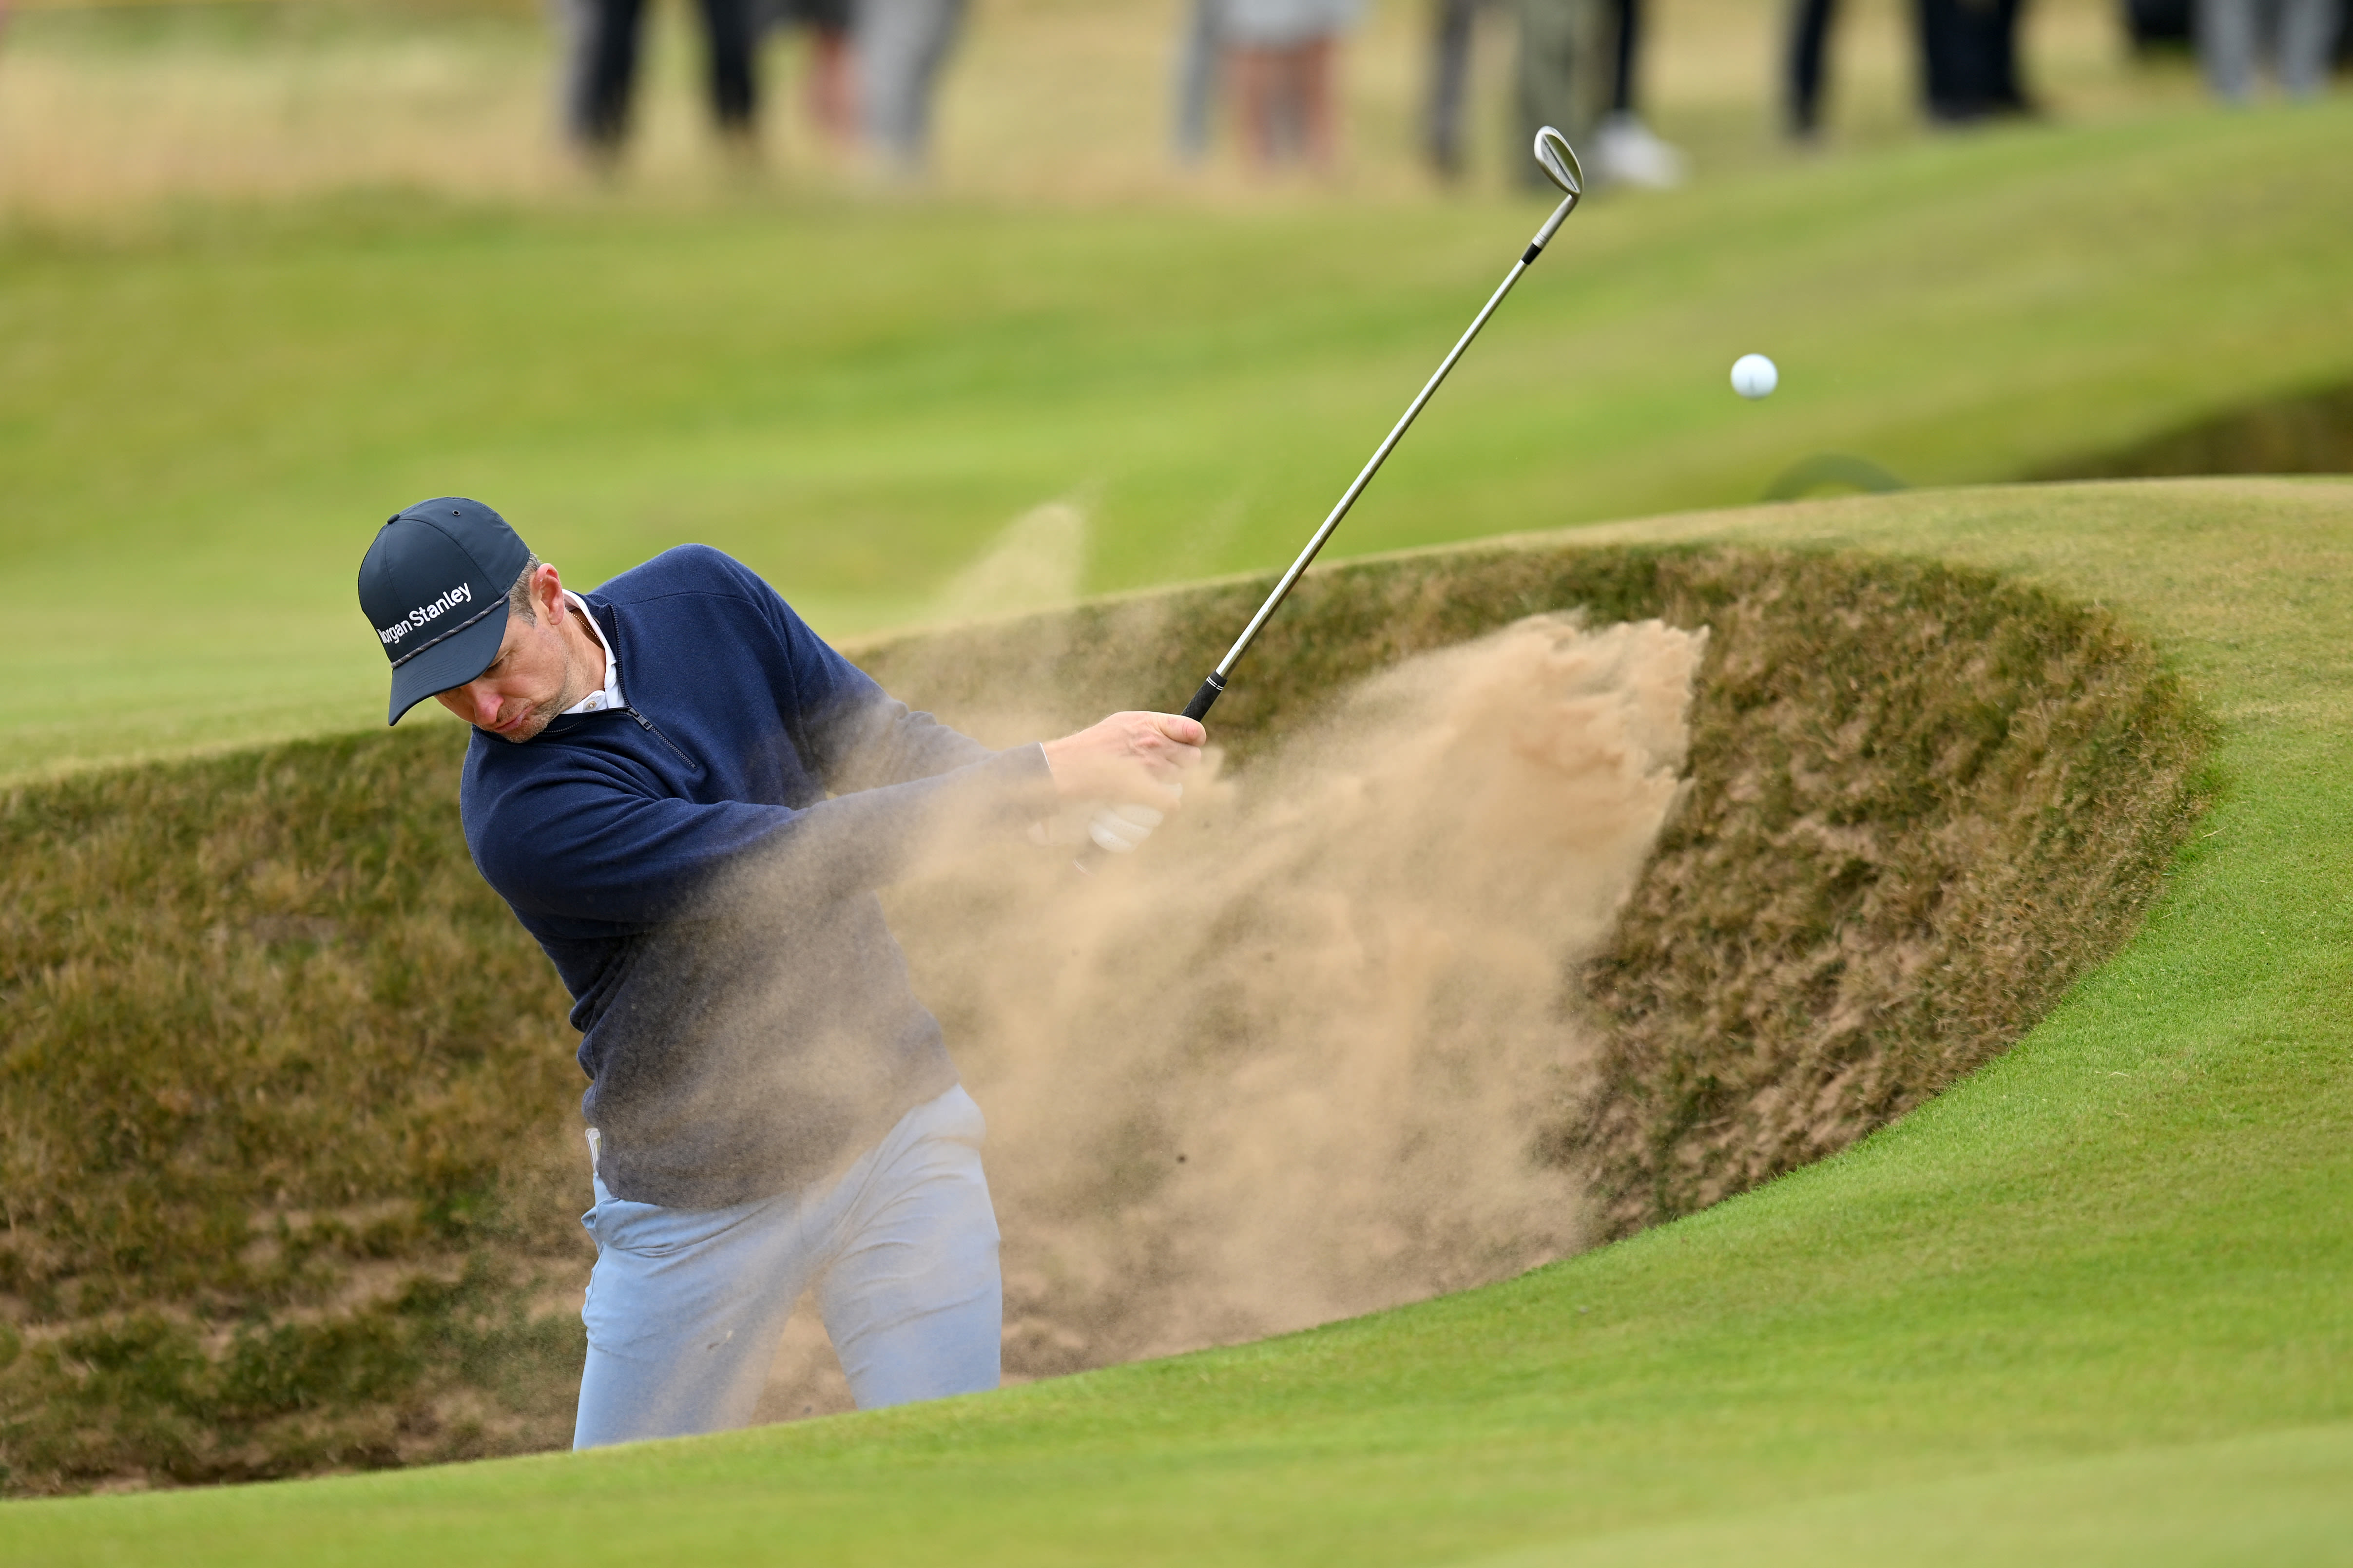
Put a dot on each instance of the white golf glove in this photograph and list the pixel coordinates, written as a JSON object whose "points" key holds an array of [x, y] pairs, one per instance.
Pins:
{"points": [[1114, 829]]}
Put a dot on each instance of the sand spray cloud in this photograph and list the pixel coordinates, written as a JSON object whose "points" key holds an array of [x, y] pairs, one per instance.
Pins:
{"points": [[1289, 1063]]}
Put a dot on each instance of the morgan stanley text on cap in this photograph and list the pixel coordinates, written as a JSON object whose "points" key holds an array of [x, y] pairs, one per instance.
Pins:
{"points": [[434, 584]]}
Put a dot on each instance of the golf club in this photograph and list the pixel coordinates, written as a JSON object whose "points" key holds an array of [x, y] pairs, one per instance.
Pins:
{"points": [[1559, 162]]}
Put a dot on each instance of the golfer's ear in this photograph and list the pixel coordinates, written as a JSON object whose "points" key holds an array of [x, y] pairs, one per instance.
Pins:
{"points": [[547, 594]]}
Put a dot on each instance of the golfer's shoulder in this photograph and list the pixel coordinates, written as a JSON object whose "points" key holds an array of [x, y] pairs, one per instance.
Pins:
{"points": [[686, 572], [498, 775]]}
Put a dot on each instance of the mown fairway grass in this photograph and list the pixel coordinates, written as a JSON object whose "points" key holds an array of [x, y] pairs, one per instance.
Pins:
{"points": [[2095, 1304], [200, 427]]}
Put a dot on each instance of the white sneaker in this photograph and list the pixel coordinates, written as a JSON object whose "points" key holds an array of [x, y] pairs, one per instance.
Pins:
{"points": [[1629, 154]]}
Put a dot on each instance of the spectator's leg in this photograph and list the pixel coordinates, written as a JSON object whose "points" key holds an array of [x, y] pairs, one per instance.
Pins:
{"points": [[1944, 69], [902, 45], [1809, 29], [2226, 47], [832, 94], [1626, 152], [730, 26], [879, 41], [1563, 77], [2004, 91], [2307, 44], [1314, 65], [604, 67], [1196, 82], [1290, 114], [1253, 73], [1621, 87], [1453, 23], [943, 20]]}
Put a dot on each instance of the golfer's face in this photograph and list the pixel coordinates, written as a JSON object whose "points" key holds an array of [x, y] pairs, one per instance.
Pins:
{"points": [[521, 690]]}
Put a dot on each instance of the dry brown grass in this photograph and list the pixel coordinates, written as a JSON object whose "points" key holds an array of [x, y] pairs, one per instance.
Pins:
{"points": [[287, 1137], [1923, 803], [282, 1122]]}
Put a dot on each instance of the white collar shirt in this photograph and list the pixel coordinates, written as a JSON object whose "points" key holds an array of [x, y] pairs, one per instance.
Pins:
{"points": [[610, 697]]}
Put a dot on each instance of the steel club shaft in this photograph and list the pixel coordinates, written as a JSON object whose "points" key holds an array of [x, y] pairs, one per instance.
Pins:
{"points": [[1560, 164]]}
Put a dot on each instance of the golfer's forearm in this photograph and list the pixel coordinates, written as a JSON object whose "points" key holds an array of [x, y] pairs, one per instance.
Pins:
{"points": [[873, 837], [597, 854], [885, 743]]}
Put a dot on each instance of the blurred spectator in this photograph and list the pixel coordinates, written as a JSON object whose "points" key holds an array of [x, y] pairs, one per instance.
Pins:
{"points": [[2299, 35], [603, 71], [827, 91], [1564, 76], [1626, 152], [1197, 81], [1969, 56], [1453, 25], [1562, 49], [1809, 29], [2157, 24], [1280, 57], [901, 45]]}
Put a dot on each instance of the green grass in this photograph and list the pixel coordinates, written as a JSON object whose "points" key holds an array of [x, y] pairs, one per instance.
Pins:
{"points": [[2090, 1305], [202, 416]]}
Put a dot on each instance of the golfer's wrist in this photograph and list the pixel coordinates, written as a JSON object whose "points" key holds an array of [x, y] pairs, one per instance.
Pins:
{"points": [[1062, 768]]}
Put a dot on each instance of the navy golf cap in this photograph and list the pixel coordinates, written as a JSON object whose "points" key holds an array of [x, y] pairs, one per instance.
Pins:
{"points": [[434, 584]]}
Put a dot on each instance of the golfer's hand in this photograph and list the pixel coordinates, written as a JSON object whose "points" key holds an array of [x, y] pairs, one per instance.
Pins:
{"points": [[1129, 759]]}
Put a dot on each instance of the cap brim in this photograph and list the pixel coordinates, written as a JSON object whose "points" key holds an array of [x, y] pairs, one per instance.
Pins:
{"points": [[453, 661]]}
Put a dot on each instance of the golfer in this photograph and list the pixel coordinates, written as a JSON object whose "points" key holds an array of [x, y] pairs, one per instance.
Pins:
{"points": [[691, 800]]}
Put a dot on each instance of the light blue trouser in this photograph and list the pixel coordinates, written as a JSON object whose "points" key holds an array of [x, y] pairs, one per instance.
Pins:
{"points": [[901, 45], [685, 1306], [2299, 35]]}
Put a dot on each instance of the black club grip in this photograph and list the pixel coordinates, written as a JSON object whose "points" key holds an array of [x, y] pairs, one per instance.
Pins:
{"points": [[1198, 708]]}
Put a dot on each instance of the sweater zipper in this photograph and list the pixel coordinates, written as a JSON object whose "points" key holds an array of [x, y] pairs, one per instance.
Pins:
{"points": [[648, 726]]}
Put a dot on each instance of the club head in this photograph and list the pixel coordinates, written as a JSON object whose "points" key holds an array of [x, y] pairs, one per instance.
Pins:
{"points": [[1559, 160]]}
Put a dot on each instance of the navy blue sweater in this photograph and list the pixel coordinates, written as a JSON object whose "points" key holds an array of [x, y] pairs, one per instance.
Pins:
{"points": [[702, 867]]}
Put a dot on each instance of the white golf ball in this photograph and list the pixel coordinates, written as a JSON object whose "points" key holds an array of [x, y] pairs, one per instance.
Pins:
{"points": [[1753, 376]]}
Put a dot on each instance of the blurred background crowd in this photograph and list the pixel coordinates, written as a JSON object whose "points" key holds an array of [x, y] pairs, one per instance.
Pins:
{"points": [[1061, 94], [1272, 69]]}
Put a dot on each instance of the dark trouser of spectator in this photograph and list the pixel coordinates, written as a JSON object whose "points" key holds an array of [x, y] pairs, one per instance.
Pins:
{"points": [[1566, 63], [2231, 33], [1809, 32], [902, 45], [1452, 23], [1627, 152], [1969, 52], [604, 69], [1630, 40]]}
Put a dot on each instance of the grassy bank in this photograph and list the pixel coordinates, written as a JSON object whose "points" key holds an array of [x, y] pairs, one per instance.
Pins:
{"points": [[202, 420], [2089, 1305], [290, 1122]]}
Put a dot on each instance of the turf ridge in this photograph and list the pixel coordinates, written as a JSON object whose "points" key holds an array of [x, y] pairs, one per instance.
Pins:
{"points": [[2053, 1315]]}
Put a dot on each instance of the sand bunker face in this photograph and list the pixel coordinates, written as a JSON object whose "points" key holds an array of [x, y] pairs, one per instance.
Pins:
{"points": [[1289, 1064]]}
